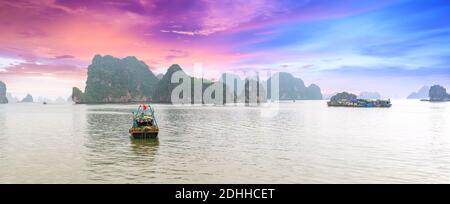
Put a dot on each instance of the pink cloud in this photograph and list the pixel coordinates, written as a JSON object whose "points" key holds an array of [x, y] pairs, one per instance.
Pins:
{"points": [[37, 70], [44, 29], [57, 37]]}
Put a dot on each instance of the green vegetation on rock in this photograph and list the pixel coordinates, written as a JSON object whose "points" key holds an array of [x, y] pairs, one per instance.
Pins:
{"points": [[114, 80], [164, 88], [254, 92], [344, 96]]}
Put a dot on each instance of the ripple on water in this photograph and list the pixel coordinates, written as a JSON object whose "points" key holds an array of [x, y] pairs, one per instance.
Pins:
{"points": [[306, 142]]}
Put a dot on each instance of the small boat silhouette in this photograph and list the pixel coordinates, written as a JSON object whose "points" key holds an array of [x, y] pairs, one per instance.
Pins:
{"points": [[144, 123]]}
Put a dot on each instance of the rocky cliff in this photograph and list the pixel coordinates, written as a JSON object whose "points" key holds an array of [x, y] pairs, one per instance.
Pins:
{"points": [[421, 94], [344, 96], [438, 93], [114, 80], [28, 99], [164, 88], [291, 88], [254, 92], [3, 98]]}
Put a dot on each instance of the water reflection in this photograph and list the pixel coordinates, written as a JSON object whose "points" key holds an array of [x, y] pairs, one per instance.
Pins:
{"points": [[438, 140], [306, 142], [110, 156], [144, 147], [2, 131]]}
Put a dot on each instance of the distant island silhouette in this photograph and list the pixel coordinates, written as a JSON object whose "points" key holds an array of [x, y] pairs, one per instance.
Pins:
{"points": [[3, 98], [127, 80], [28, 99], [435, 93], [438, 93], [422, 93]]}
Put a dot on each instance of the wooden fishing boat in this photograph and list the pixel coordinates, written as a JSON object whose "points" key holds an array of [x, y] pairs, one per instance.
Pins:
{"points": [[360, 103], [144, 123]]}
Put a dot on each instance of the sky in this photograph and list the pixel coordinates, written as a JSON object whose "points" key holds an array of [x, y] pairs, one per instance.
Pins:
{"points": [[393, 47]]}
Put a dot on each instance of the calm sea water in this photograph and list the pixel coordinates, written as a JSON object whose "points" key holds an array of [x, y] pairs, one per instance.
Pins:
{"points": [[306, 142]]}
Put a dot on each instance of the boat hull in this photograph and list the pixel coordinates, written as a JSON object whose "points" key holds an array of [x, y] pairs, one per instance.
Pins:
{"points": [[358, 106], [144, 133], [361, 104]]}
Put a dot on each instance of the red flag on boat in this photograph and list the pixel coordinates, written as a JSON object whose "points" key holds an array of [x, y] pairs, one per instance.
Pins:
{"points": [[145, 107]]}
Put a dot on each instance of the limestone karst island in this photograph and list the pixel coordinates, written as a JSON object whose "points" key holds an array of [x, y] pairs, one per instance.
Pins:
{"points": [[129, 80]]}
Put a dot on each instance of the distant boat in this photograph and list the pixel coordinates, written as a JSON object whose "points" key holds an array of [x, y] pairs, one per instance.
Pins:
{"points": [[361, 103], [346, 99], [144, 123], [45, 103]]}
